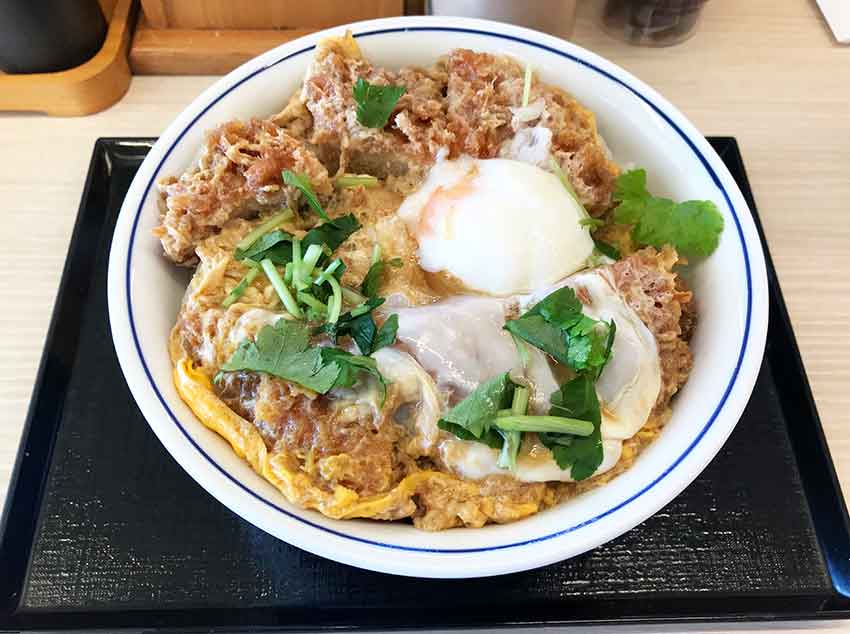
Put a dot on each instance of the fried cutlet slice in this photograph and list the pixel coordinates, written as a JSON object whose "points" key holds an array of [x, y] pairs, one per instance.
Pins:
{"points": [[237, 175]]}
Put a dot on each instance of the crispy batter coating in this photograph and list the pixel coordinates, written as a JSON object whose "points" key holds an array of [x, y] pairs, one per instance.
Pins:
{"points": [[238, 175]]}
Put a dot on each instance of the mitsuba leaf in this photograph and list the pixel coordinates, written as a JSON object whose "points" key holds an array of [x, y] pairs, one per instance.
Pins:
{"points": [[583, 455], [492, 438], [375, 103], [607, 249], [283, 351], [386, 333], [277, 245], [475, 412], [332, 233], [372, 282], [302, 183], [362, 328], [693, 226], [557, 326]]}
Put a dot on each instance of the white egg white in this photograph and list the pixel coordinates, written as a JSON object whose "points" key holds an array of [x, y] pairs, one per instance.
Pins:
{"points": [[500, 226], [628, 386], [461, 342]]}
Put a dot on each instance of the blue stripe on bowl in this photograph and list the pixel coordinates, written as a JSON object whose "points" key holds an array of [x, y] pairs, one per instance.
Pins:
{"points": [[570, 529]]}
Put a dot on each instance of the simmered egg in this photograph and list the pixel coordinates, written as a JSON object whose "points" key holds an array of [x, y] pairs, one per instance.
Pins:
{"points": [[500, 226]]}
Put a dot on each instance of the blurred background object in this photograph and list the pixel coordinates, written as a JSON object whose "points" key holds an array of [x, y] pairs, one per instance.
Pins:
{"points": [[212, 37], [40, 36], [557, 17], [837, 14], [652, 22], [86, 87], [263, 14]]}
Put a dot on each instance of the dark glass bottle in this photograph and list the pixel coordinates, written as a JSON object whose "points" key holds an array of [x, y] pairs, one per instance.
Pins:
{"points": [[652, 22], [40, 36]]}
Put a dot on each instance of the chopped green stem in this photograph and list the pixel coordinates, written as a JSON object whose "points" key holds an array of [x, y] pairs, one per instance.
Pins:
{"points": [[550, 424], [280, 287], [272, 223], [311, 256], [329, 269], [556, 167], [312, 302], [241, 287], [526, 86], [591, 223], [352, 297], [522, 351], [520, 402], [376, 254], [297, 280], [353, 180], [302, 183], [335, 304], [510, 449], [287, 273], [361, 309]]}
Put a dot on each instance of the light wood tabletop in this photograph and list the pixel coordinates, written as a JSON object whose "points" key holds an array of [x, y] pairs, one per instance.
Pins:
{"points": [[769, 73]]}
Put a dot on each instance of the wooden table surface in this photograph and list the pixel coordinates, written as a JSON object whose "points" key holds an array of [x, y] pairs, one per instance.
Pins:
{"points": [[768, 72]]}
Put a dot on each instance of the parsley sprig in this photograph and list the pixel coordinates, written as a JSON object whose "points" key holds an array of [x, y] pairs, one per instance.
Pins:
{"points": [[692, 226], [284, 351], [495, 414], [557, 326], [375, 103]]}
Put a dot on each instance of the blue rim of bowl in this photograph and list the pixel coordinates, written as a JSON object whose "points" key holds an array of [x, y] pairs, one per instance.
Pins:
{"points": [[526, 542]]}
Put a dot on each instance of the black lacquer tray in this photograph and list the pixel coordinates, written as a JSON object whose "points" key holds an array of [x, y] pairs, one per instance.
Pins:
{"points": [[103, 530]]}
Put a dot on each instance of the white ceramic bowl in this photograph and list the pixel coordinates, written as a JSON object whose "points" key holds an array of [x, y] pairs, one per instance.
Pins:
{"points": [[640, 126]]}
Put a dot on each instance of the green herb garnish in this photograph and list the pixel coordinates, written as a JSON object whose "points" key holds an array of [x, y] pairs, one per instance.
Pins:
{"points": [[557, 326], [359, 324], [476, 412], [511, 442], [302, 183], [281, 289], [693, 226], [372, 282], [356, 180], [606, 249], [271, 223], [375, 103], [513, 439], [482, 417], [242, 286], [544, 424], [526, 85], [366, 334], [576, 399], [283, 351], [335, 301], [591, 223], [333, 233], [277, 245]]}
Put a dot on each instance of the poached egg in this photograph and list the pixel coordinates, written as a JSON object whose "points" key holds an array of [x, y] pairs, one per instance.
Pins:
{"points": [[500, 226]]}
